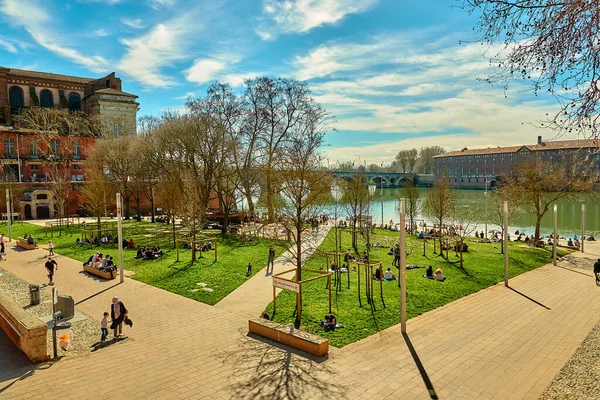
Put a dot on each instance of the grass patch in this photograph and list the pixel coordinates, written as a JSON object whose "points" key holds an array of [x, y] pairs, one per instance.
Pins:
{"points": [[180, 277], [483, 267]]}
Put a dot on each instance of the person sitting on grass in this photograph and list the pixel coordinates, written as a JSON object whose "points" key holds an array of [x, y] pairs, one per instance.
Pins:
{"points": [[389, 276], [207, 246], [148, 254], [377, 275], [429, 273], [439, 275], [140, 253], [130, 245], [110, 238], [577, 243], [157, 252], [329, 323]]}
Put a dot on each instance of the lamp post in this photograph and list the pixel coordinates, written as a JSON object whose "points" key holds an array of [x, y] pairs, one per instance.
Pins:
{"points": [[582, 226], [402, 267], [555, 240], [506, 243], [381, 193], [337, 195], [372, 188], [120, 234], [8, 214]]}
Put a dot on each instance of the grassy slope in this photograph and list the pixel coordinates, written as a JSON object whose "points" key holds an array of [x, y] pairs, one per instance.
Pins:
{"points": [[483, 267], [223, 276]]}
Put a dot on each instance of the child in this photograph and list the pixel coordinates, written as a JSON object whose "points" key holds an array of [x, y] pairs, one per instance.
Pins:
{"points": [[51, 248], [104, 327], [249, 269]]}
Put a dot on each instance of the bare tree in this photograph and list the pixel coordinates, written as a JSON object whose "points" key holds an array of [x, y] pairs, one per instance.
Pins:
{"points": [[355, 201], [554, 45], [97, 190], [541, 183], [426, 155], [439, 205], [495, 207], [465, 218], [413, 204]]}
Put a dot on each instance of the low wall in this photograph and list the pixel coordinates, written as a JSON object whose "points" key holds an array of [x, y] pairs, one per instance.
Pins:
{"points": [[288, 335], [27, 332]]}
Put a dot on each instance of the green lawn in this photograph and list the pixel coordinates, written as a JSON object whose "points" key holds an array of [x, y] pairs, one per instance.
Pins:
{"points": [[483, 267], [180, 277]]}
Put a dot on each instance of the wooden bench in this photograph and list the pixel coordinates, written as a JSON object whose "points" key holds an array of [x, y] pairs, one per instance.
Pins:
{"points": [[101, 274], [23, 244], [290, 336]]}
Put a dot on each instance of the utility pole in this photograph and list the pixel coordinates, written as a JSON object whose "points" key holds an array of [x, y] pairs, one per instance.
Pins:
{"points": [[402, 267], [8, 214]]}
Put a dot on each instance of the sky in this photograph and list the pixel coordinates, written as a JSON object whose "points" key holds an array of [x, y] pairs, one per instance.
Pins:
{"points": [[395, 74]]}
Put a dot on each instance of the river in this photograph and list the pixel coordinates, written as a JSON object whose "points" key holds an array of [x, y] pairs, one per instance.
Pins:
{"points": [[569, 212]]}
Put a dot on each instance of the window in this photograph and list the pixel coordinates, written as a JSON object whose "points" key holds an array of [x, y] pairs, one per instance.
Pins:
{"points": [[46, 99], [33, 150], [108, 83], [76, 151], [42, 197], [74, 102], [117, 129], [9, 148], [16, 99], [34, 167], [76, 166], [55, 144]]}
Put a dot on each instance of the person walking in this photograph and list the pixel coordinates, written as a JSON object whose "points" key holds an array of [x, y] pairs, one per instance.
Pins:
{"points": [[271, 260], [118, 313], [2, 241], [51, 265], [51, 248]]}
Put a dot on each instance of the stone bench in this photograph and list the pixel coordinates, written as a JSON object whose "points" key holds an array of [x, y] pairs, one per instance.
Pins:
{"points": [[23, 244], [27, 332], [290, 336], [101, 274]]}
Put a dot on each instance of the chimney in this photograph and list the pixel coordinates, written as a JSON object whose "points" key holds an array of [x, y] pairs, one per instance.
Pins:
{"points": [[539, 140]]}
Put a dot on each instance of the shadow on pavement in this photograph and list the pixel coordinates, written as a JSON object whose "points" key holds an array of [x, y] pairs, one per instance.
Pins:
{"points": [[419, 364], [529, 298], [96, 294], [101, 345], [274, 371]]}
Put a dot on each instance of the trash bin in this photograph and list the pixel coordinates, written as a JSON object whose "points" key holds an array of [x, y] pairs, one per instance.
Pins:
{"points": [[34, 294]]}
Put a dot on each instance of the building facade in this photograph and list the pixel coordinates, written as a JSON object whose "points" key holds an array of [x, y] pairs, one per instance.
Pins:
{"points": [[24, 154], [485, 168]]}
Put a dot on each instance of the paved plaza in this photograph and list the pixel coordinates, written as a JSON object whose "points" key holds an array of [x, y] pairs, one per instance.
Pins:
{"points": [[498, 343]]}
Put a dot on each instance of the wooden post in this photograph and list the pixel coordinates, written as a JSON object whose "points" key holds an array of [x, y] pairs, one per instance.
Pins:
{"points": [[582, 226], [358, 275], [506, 243], [274, 301], [216, 250], [402, 277], [555, 238], [329, 285], [8, 215], [300, 302], [120, 231]]}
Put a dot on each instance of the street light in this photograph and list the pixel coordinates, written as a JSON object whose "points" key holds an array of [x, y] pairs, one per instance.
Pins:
{"points": [[372, 188], [381, 193], [555, 239], [336, 193]]}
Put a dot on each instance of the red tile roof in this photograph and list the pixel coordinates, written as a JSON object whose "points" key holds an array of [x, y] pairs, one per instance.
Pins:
{"points": [[556, 145]]}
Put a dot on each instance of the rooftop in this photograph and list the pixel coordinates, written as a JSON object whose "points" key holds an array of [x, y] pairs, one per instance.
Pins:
{"points": [[540, 146], [47, 75]]}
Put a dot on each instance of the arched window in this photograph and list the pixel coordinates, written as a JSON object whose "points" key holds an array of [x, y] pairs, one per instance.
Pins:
{"points": [[16, 99], [74, 102], [46, 99]]}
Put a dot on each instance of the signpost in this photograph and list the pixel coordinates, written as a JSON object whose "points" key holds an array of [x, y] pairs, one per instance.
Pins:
{"points": [[286, 284], [120, 235], [506, 243], [296, 286]]}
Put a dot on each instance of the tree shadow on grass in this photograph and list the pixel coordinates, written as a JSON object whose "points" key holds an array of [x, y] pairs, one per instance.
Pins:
{"points": [[269, 370]]}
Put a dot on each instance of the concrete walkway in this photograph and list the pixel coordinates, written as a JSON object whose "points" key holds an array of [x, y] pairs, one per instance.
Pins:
{"points": [[498, 343], [256, 293]]}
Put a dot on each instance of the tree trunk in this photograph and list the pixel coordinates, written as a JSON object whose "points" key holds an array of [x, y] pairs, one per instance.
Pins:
{"points": [[152, 205], [248, 194], [538, 222], [270, 207]]}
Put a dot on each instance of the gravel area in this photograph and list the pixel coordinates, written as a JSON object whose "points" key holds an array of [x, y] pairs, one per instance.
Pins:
{"points": [[579, 378], [83, 334]]}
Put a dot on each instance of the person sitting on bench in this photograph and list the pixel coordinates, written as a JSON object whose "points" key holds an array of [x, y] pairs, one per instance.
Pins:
{"points": [[30, 240], [570, 243]]}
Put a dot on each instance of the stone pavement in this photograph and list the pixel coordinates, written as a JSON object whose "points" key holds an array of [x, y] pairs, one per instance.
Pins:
{"points": [[256, 293], [498, 343]]}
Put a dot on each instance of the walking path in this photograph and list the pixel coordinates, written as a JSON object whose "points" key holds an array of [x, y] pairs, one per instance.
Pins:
{"points": [[256, 293], [498, 343]]}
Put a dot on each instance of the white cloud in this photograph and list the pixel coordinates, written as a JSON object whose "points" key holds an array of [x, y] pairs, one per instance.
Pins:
{"points": [[204, 70], [100, 33], [109, 2], [299, 16], [135, 23], [32, 17], [12, 45], [157, 4]]}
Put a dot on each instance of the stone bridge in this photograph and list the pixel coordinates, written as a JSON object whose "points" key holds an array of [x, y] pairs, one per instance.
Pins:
{"points": [[389, 179]]}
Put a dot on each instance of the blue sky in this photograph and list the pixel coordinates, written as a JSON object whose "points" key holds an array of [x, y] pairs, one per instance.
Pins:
{"points": [[394, 73]]}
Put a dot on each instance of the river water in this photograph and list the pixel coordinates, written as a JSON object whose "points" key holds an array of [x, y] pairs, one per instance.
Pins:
{"points": [[569, 212]]}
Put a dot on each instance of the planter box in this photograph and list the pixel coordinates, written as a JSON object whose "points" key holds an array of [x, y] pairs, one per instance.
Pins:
{"points": [[290, 336], [101, 274]]}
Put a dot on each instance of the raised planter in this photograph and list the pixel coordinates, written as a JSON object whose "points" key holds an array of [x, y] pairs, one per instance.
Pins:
{"points": [[101, 274], [290, 336], [27, 332]]}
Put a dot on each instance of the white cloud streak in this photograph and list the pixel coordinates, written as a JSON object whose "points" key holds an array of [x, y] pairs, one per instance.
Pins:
{"points": [[33, 18], [135, 23]]}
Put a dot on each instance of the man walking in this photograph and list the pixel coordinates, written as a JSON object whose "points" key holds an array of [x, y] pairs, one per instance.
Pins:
{"points": [[396, 261], [2, 240], [118, 313], [51, 265], [271, 260]]}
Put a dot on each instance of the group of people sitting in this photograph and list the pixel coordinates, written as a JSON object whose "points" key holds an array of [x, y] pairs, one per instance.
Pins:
{"points": [[105, 263], [147, 253], [437, 275], [205, 247], [329, 323], [387, 276], [29, 239]]}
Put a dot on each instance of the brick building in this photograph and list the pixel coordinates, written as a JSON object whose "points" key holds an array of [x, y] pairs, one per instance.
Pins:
{"points": [[478, 168], [23, 156]]}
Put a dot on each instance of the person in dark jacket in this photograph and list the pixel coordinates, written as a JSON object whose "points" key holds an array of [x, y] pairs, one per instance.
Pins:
{"points": [[271, 259], [118, 313]]}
